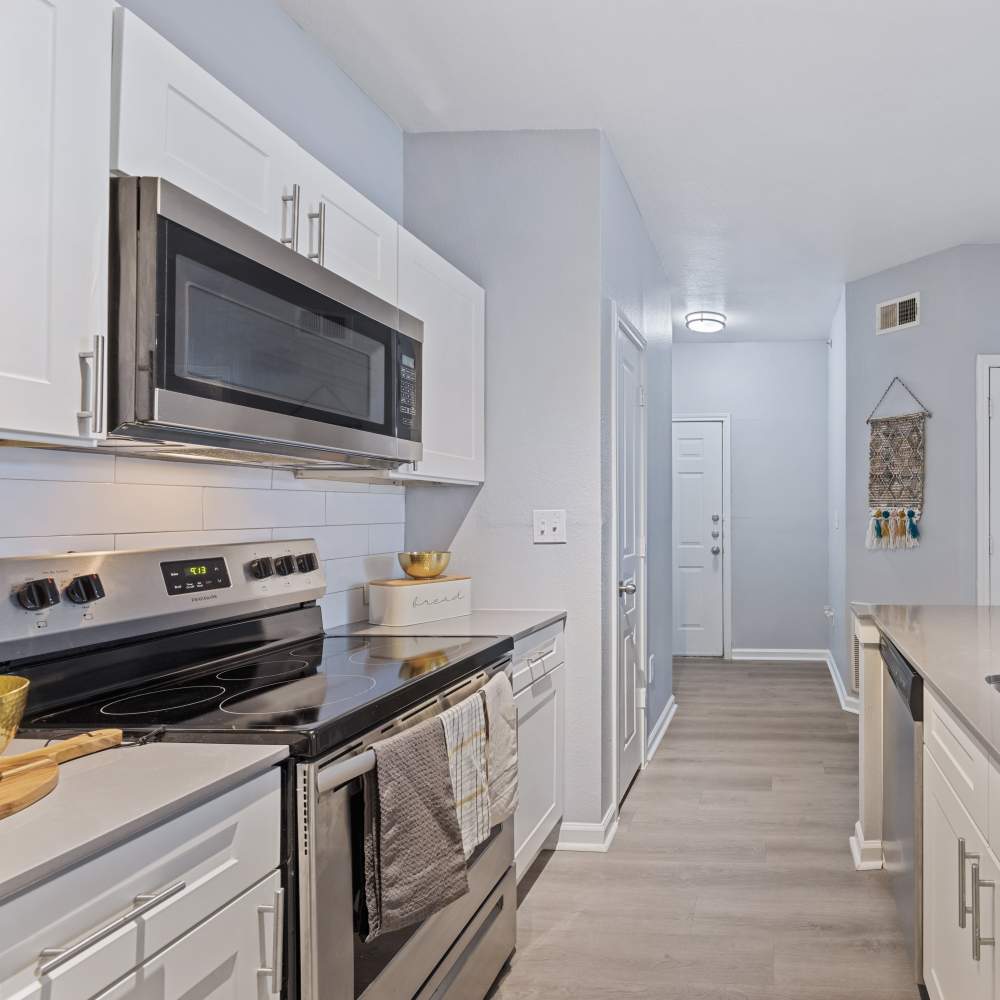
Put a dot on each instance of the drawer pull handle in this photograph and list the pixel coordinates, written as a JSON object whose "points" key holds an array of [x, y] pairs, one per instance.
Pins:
{"points": [[977, 938], [143, 903], [963, 856], [277, 970]]}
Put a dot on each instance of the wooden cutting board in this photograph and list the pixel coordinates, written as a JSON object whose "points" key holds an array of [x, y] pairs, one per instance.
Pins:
{"points": [[27, 777]]}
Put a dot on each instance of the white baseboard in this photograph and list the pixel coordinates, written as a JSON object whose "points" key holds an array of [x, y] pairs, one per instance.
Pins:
{"points": [[848, 702], [867, 854], [589, 836], [659, 730]]}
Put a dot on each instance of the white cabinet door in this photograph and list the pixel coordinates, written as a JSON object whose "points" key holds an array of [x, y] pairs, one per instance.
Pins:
{"points": [[950, 971], [55, 77], [358, 238], [219, 959], [541, 714], [176, 121], [453, 310]]}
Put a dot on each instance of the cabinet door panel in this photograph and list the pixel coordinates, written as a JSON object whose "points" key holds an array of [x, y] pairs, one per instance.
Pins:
{"points": [[175, 120], [359, 239], [540, 724], [950, 971], [452, 308], [55, 73]]}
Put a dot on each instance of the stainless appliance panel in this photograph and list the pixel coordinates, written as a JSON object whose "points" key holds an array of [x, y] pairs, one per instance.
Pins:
{"points": [[902, 808]]}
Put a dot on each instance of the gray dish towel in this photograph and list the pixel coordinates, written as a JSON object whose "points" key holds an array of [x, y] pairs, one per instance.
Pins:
{"points": [[465, 735], [414, 861], [501, 761]]}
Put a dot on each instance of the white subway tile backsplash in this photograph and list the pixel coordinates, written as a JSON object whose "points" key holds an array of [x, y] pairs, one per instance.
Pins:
{"points": [[48, 544], [386, 537], [343, 608], [229, 508], [163, 473], [333, 541], [167, 539], [344, 574], [365, 508], [48, 464], [33, 507]]}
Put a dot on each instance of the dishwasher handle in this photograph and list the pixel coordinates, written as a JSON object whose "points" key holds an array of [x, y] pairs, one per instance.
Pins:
{"points": [[905, 679]]}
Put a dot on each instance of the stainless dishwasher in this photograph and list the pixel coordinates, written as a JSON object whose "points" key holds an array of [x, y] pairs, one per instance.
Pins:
{"points": [[902, 795]]}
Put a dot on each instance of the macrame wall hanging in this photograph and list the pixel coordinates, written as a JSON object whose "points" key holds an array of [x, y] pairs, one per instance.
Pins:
{"points": [[896, 459]]}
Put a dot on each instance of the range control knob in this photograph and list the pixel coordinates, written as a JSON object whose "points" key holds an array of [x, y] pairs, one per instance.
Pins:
{"points": [[85, 589], [306, 562], [38, 594], [262, 568], [284, 565]]}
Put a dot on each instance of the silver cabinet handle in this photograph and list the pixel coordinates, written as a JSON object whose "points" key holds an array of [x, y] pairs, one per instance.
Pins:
{"points": [[293, 200], [92, 385], [143, 903], [963, 856], [626, 588], [320, 216], [277, 968], [715, 550], [977, 938]]}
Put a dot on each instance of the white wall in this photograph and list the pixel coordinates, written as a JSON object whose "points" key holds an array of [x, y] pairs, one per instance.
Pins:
{"points": [[261, 54], [776, 394], [59, 502]]}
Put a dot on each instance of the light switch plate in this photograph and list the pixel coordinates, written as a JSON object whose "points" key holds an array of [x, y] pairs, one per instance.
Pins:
{"points": [[549, 527]]}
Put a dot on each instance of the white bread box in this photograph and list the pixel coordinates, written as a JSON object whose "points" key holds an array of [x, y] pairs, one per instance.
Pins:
{"points": [[413, 602]]}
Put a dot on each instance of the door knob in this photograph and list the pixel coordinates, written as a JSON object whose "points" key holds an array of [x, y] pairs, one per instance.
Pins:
{"points": [[716, 550], [626, 588], [715, 534], [715, 517]]}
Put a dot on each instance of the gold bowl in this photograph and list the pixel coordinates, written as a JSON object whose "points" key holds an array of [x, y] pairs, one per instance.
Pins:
{"points": [[424, 565], [13, 698]]}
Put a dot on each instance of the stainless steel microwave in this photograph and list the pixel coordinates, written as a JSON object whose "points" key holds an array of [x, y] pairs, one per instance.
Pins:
{"points": [[226, 344]]}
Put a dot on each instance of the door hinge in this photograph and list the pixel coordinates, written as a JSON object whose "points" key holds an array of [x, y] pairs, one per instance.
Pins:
{"points": [[989, 407], [642, 395], [989, 544]]}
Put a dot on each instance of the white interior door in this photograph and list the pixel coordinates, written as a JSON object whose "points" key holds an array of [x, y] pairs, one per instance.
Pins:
{"points": [[994, 481], [698, 542], [631, 595]]}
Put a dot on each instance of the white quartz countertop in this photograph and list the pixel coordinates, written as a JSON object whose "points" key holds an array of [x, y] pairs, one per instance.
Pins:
{"points": [[515, 623], [108, 797], [954, 648]]}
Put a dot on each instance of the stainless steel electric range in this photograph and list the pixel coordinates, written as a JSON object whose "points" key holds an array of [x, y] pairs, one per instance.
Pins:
{"points": [[226, 644]]}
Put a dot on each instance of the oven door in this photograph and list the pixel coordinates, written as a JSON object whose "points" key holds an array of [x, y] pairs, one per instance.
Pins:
{"points": [[250, 341]]}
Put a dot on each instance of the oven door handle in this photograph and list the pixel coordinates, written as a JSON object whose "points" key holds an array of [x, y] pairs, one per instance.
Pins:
{"points": [[334, 775]]}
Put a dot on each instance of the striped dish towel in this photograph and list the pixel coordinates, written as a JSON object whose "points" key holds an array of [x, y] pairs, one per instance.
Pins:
{"points": [[465, 737]]}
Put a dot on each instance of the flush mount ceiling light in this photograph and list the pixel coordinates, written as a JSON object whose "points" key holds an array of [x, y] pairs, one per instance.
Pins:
{"points": [[705, 322]]}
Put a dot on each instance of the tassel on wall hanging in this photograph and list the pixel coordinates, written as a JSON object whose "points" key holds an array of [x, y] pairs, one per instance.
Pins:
{"points": [[896, 461]]}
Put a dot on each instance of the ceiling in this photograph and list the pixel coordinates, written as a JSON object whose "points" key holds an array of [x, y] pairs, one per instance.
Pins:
{"points": [[776, 148]]}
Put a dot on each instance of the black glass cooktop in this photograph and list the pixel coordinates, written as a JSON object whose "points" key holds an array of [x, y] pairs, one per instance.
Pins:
{"points": [[314, 695]]}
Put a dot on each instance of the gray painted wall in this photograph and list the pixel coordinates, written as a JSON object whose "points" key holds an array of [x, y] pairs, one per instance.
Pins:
{"points": [[938, 361], [519, 213], [839, 625], [632, 276], [776, 394], [260, 53]]}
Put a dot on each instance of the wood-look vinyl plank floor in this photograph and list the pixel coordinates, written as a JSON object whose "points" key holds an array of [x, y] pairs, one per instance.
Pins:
{"points": [[730, 877]]}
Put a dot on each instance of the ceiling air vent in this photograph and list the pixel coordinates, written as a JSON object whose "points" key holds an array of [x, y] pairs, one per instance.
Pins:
{"points": [[897, 314]]}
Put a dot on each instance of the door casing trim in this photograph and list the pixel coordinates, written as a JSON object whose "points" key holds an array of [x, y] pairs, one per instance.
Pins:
{"points": [[984, 362]]}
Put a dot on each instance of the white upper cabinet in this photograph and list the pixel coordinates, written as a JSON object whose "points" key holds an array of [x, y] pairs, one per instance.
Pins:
{"points": [[55, 78], [348, 234], [453, 310], [176, 121]]}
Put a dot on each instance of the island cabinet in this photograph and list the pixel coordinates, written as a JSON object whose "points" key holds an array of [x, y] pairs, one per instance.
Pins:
{"points": [[961, 872]]}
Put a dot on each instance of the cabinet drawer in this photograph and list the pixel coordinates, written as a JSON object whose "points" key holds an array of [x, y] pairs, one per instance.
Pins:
{"points": [[537, 654], [198, 861], [962, 759]]}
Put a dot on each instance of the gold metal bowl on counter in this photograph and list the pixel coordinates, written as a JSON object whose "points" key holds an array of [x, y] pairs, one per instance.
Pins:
{"points": [[424, 565], [13, 698]]}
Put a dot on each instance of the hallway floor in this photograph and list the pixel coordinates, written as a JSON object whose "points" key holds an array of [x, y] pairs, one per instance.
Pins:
{"points": [[730, 877]]}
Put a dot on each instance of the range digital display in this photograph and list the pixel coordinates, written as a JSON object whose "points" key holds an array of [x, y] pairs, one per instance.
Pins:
{"points": [[189, 576]]}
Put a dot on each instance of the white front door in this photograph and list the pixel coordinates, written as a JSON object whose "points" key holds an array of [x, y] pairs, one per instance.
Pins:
{"points": [[698, 541], [630, 485], [994, 458]]}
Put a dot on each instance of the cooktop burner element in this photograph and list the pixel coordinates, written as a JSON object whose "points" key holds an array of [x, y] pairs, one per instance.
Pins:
{"points": [[164, 701]]}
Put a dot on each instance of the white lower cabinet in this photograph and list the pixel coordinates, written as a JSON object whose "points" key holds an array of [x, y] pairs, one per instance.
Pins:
{"points": [[231, 956], [953, 843], [541, 715]]}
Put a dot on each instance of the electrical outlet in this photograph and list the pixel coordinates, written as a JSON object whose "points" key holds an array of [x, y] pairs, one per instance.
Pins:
{"points": [[548, 527]]}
